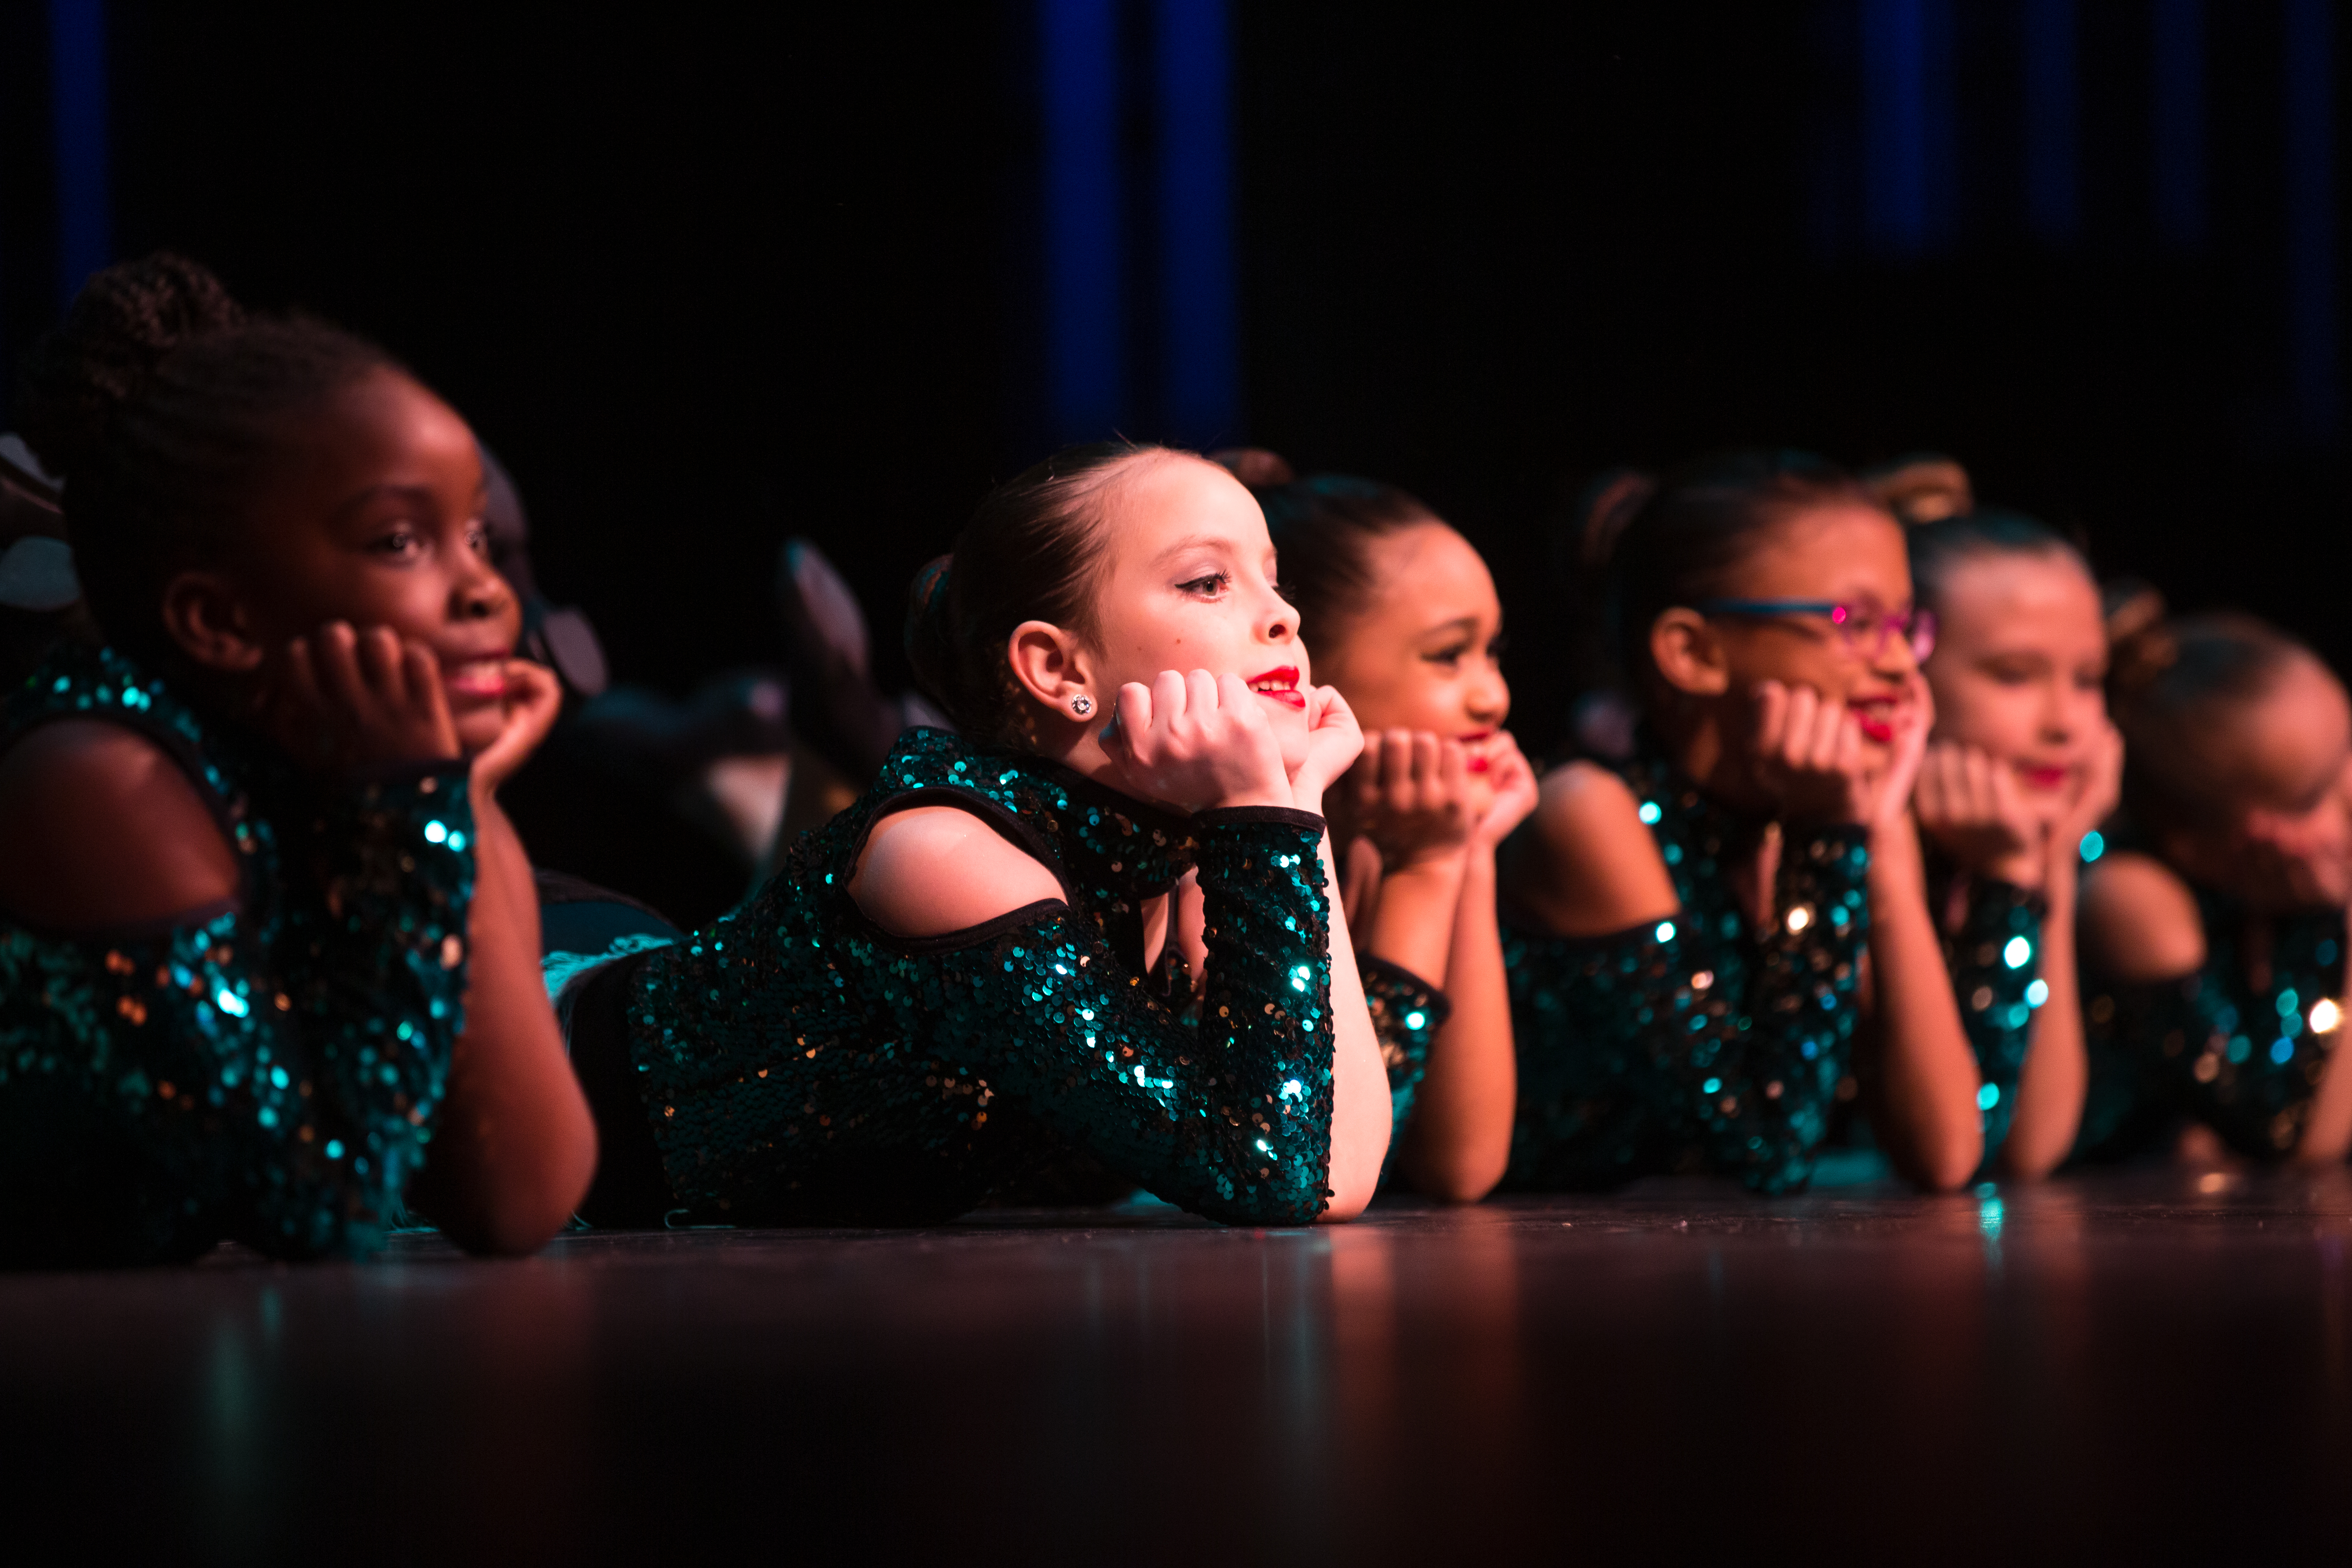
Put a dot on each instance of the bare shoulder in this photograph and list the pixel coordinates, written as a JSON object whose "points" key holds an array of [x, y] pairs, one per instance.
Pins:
{"points": [[2139, 920], [1585, 864], [933, 870], [99, 829]]}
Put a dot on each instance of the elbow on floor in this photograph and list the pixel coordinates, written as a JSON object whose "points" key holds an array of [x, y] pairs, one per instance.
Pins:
{"points": [[516, 1219], [1949, 1168]]}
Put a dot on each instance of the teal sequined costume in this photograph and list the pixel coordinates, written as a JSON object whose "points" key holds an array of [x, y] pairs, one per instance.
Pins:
{"points": [[1995, 963], [1692, 1043], [2212, 1046], [795, 1063], [267, 1072]]}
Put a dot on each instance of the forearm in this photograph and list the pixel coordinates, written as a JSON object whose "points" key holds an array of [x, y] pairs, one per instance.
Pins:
{"points": [[1928, 1079], [1414, 915], [515, 1146], [1459, 1139], [2327, 1132], [2057, 1069], [1359, 1092]]}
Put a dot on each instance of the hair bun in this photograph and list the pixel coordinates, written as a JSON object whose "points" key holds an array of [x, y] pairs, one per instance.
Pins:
{"points": [[124, 324], [1924, 487], [1609, 504], [2141, 644], [931, 643], [1255, 465]]}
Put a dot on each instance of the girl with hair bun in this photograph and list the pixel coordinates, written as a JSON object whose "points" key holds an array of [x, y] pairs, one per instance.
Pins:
{"points": [[2022, 764], [979, 969], [1405, 623], [1711, 941], [269, 950], [2214, 940]]}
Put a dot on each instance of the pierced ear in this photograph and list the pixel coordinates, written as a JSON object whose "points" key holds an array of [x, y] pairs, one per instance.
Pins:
{"points": [[1050, 664], [1688, 653], [205, 615]]}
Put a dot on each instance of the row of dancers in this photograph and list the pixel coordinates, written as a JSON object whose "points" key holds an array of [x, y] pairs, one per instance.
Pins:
{"points": [[1222, 877]]}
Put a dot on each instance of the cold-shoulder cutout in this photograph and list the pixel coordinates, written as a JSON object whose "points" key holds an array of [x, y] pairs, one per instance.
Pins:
{"points": [[1585, 865], [927, 870], [102, 830], [2139, 920]]}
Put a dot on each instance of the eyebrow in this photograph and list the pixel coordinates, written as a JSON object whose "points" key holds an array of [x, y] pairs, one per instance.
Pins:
{"points": [[406, 492], [1191, 542], [1458, 623]]}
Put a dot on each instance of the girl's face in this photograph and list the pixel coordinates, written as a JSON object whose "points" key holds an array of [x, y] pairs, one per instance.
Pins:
{"points": [[376, 519], [1423, 651], [1850, 555], [1188, 584], [2019, 667], [2288, 754]]}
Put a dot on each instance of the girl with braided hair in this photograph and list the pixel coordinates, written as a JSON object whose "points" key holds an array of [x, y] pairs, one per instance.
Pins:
{"points": [[268, 945], [980, 970], [2214, 934]]}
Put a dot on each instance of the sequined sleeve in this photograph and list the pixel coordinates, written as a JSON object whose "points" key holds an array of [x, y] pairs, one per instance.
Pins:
{"points": [[1232, 1118], [1995, 963], [1671, 1036], [2243, 1060], [270, 1074], [1407, 1012]]}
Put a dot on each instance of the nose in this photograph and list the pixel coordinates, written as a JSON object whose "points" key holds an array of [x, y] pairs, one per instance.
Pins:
{"points": [[1490, 695], [479, 594]]}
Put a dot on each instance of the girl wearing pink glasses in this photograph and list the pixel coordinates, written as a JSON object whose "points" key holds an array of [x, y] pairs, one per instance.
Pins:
{"points": [[1712, 942]]}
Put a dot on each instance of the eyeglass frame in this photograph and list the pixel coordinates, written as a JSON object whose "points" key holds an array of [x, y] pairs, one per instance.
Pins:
{"points": [[1919, 624]]}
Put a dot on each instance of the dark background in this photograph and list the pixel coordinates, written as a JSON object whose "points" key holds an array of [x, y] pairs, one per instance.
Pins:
{"points": [[707, 278]]}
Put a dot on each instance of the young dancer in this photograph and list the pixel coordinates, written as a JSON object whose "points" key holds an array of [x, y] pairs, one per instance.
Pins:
{"points": [[268, 947], [2022, 763], [2213, 946], [1688, 931], [1405, 623], [972, 971]]}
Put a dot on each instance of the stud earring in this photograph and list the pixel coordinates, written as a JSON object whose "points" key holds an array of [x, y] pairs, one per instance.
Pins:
{"points": [[1082, 705]]}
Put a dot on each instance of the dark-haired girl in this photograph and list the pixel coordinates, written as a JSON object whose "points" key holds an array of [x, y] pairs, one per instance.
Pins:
{"points": [[1405, 623], [2022, 763], [2213, 941], [1688, 931], [267, 946], [975, 971]]}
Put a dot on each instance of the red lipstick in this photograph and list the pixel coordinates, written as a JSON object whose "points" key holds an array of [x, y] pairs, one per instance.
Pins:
{"points": [[1280, 683]]}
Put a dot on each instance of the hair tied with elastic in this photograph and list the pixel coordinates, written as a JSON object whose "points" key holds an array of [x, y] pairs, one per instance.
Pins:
{"points": [[2141, 644], [931, 582], [1255, 465]]}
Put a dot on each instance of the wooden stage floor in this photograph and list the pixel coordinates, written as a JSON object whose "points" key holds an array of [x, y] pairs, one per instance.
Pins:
{"points": [[2131, 1363]]}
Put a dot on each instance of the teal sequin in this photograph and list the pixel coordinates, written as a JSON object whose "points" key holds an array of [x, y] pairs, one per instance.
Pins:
{"points": [[1692, 1044], [799, 1064], [2212, 1046], [1407, 1012], [1997, 997], [268, 1074]]}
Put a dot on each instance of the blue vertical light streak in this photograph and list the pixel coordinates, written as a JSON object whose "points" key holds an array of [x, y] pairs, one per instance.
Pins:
{"points": [[2310, 100], [2177, 121], [1086, 371], [1200, 356], [78, 107], [2054, 200], [1894, 126]]}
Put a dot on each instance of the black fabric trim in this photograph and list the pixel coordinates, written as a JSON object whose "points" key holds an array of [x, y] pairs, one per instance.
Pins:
{"points": [[1397, 970], [957, 940], [1260, 816], [1640, 931]]}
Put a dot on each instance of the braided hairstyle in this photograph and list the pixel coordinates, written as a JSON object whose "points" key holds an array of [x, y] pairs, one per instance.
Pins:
{"points": [[1031, 553], [1323, 527], [163, 405]]}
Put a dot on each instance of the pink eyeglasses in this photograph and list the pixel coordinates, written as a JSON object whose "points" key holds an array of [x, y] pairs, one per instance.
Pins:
{"points": [[1863, 629]]}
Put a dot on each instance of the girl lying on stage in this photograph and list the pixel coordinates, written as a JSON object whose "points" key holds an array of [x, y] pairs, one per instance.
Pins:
{"points": [[976, 971], [1687, 931], [268, 955], [2213, 935]]}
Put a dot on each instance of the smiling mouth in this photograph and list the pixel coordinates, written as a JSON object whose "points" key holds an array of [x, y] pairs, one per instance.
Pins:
{"points": [[1874, 716], [2044, 777], [1281, 684], [476, 680], [1477, 761]]}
